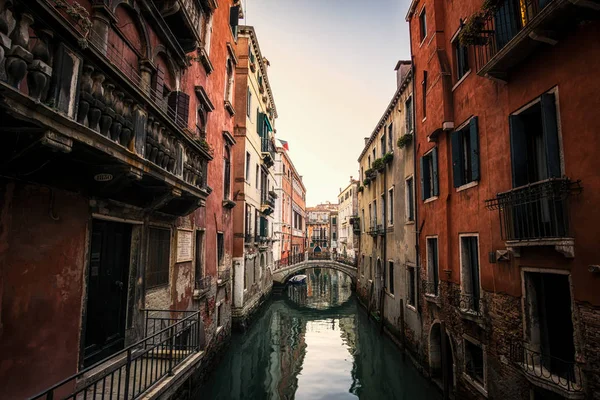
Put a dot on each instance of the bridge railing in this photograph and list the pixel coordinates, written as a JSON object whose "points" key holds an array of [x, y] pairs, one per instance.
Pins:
{"points": [[322, 255], [351, 261], [289, 261]]}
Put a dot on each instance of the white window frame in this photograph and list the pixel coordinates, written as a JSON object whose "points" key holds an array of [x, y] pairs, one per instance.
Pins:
{"points": [[427, 260], [482, 389], [390, 205], [460, 255]]}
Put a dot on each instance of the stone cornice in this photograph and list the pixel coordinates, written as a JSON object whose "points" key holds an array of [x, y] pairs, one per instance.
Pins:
{"points": [[399, 92], [249, 30]]}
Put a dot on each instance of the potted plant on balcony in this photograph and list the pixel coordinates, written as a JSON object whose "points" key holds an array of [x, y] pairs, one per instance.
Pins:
{"points": [[273, 194], [361, 189], [472, 32], [378, 165], [388, 157], [404, 140]]}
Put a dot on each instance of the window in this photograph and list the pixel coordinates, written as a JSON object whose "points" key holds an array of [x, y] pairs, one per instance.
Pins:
{"points": [[374, 153], [257, 177], [408, 108], [474, 364], [334, 221], [334, 236], [369, 161], [219, 315], [159, 248], [549, 320], [363, 219], [391, 206], [248, 222], [410, 204], [247, 167], [432, 267], [412, 289], [383, 142], [391, 137], [364, 266], [429, 175], [249, 104], [535, 150], [234, 19], [461, 59], [226, 174], [470, 291], [220, 248], [465, 154], [229, 82], [374, 213], [391, 277], [423, 24], [370, 268], [424, 88], [199, 265]]}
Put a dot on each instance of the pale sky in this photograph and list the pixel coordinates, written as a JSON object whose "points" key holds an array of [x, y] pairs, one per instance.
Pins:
{"points": [[332, 76]]}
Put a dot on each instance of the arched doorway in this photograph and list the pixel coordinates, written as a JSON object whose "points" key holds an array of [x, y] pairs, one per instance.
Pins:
{"points": [[317, 249], [441, 356]]}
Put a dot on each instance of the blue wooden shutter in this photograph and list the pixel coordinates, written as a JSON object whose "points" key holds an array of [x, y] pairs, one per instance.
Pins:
{"points": [[550, 128], [518, 151], [457, 161], [434, 162], [423, 180], [474, 138]]}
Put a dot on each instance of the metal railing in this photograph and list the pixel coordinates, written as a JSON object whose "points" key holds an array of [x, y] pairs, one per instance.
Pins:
{"points": [[289, 261], [224, 274], [501, 27], [565, 374], [535, 211], [351, 261], [431, 288], [470, 304], [132, 371], [380, 230], [322, 255]]}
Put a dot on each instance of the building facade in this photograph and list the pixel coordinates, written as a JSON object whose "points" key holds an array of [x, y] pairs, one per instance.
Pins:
{"points": [[112, 196], [290, 209], [319, 231], [506, 196], [254, 186], [347, 215], [387, 262]]}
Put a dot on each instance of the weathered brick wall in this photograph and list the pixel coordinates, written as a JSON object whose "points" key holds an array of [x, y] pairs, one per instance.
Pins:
{"points": [[590, 332]]}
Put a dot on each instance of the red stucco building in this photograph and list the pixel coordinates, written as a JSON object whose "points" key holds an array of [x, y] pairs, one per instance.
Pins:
{"points": [[506, 143], [114, 182]]}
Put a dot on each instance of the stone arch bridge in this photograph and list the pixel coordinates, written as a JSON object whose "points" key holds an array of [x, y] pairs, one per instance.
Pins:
{"points": [[288, 267]]}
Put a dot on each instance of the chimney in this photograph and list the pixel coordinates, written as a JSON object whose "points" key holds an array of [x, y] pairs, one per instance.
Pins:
{"points": [[366, 141], [402, 69]]}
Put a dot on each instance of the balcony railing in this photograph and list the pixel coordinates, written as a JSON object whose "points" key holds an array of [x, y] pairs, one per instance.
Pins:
{"points": [[321, 255], [351, 261], [268, 151], [549, 370], [536, 211], [470, 304], [431, 288], [171, 338]]}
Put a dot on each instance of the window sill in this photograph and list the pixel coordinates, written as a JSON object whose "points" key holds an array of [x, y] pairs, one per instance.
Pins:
{"points": [[432, 298], [429, 200], [475, 384], [457, 84], [467, 186], [411, 307], [390, 294], [424, 119], [411, 222]]}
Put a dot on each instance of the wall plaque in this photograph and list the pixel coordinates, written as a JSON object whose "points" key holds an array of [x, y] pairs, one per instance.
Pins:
{"points": [[184, 246]]}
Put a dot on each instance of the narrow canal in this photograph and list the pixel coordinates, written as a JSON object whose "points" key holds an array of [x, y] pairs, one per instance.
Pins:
{"points": [[315, 342]]}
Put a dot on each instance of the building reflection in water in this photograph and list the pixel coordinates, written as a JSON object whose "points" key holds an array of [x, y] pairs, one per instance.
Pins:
{"points": [[314, 344]]}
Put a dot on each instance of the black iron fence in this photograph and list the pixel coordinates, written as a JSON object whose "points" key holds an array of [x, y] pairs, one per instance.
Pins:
{"points": [[171, 338], [321, 255], [565, 374], [535, 211], [502, 26], [289, 261]]}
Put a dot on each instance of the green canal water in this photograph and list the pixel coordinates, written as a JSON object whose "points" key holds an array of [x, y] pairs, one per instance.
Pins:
{"points": [[315, 342]]}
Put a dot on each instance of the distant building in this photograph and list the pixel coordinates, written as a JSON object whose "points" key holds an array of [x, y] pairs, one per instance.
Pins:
{"points": [[320, 232], [290, 208], [255, 183], [348, 218]]}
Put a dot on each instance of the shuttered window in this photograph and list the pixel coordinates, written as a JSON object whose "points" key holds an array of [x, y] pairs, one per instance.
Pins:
{"points": [[233, 20], [465, 154], [461, 59], [159, 246], [391, 277], [534, 145], [429, 175], [179, 107]]}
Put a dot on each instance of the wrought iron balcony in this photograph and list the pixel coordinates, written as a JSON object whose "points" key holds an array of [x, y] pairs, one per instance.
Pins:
{"points": [[268, 151], [469, 304], [380, 230], [535, 212], [187, 20], [516, 28], [544, 370]]}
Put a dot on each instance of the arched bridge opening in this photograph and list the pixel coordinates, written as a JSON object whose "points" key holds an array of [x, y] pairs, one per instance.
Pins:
{"points": [[288, 267]]}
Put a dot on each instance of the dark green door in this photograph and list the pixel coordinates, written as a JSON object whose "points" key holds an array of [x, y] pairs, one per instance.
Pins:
{"points": [[107, 290]]}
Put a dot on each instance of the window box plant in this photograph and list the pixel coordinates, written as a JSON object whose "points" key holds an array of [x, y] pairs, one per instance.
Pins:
{"points": [[388, 157], [404, 140], [378, 165]]}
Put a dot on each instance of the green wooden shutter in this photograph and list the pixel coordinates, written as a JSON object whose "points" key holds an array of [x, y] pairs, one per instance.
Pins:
{"points": [[258, 122], [434, 159], [474, 138], [518, 151], [423, 180], [457, 160], [550, 127]]}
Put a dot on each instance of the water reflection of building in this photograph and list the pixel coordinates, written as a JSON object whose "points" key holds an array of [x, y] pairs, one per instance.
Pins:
{"points": [[324, 288]]}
